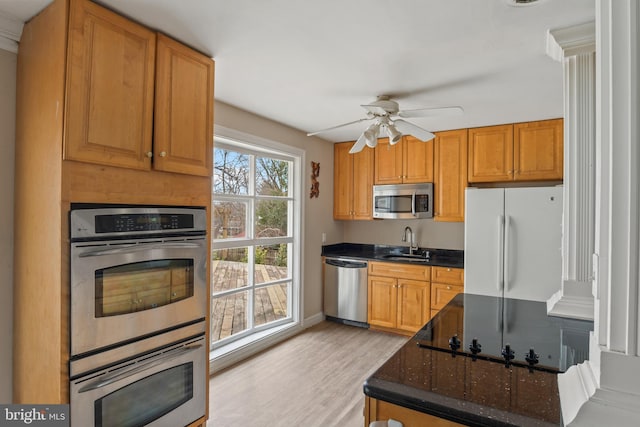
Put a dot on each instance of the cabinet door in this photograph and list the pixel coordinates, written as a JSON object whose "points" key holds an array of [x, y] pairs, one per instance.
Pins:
{"points": [[183, 138], [491, 154], [442, 293], [342, 180], [388, 162], [413, 304], [538, 150], [450, 175], [109, 101], [382, 302], [417, 160], [362, 191]]}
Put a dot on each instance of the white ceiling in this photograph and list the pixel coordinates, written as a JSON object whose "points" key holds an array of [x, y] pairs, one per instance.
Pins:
{"points": [[310, 64]]}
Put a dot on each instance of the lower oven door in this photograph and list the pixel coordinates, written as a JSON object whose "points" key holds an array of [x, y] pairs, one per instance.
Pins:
{"points": [[126, 289], [166, 387]]}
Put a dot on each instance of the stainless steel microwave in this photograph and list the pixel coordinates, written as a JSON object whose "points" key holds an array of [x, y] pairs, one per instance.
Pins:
{"points": [[403, 201]]}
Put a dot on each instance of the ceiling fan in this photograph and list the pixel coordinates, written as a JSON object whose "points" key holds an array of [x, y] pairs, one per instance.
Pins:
{"points": [[383, 111]]}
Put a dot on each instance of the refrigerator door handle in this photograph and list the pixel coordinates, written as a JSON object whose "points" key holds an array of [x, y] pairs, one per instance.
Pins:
{"points": [[507, 247], [500, 275]]}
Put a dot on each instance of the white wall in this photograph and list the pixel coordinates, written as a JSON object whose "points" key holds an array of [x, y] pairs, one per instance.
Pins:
{"points": [[318, 211], [7, 149]]}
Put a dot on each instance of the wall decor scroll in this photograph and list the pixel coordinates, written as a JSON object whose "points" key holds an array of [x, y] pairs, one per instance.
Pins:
{"points": [[315, 185]]}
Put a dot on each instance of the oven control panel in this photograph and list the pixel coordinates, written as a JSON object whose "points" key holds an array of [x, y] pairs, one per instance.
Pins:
{"points": [[133, 221]]}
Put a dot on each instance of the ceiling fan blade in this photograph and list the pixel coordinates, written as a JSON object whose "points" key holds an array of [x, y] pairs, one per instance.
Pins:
{"points": [[413, 130], [429, 112], [359, 145], [338, 126]]}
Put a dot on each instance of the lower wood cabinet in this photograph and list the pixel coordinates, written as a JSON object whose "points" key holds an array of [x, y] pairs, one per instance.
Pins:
{"points": [[446, 283], [399, 297], [379, 410], [402, 298]]}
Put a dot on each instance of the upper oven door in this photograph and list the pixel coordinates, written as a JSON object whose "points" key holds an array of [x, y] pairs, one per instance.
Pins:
{"points": [[126, 289]]}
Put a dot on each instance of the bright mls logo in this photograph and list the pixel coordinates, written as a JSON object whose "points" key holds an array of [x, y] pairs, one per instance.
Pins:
{"points": [[34, 415]]}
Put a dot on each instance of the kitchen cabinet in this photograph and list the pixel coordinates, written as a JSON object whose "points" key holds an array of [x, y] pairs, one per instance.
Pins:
{"points": [[183, 119], [379, 410], [116, 70], [398, 296], [352, 183], [531, 151], [77, 129], [407, 162], [450, 175], [446, 283]]}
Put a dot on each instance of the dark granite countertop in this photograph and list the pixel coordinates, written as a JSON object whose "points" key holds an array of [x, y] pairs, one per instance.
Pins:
{"points": [[437, 257], [479, 389]]}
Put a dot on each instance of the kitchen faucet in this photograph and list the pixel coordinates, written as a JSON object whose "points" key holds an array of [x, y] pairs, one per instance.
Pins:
{"points": [[412, 248]]}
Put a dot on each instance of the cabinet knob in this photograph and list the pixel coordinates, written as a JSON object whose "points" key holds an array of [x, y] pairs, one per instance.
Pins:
{"points": [[163, 154], [448, 288], [149, 154], [448, 269]]}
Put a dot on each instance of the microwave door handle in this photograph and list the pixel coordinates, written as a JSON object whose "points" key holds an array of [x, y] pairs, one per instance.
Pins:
{"points": [[138, 248], [413, 204], [112, 377]]}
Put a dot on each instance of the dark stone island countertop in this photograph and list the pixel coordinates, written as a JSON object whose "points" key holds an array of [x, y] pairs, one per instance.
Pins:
{"points": [[436, 257], [476, 387]]}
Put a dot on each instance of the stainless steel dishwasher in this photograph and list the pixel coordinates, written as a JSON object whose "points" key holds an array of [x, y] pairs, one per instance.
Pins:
{"points": [[345, 291]]}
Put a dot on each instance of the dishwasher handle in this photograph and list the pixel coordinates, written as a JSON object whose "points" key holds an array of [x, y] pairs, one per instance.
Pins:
{"points": [[344, 263]]}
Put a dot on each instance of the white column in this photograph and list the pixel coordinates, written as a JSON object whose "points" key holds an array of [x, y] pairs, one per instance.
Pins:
{"points": [[575, 48], [606, 389]]}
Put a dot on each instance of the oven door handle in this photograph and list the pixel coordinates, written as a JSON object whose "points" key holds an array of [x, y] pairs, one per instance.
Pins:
{"points": [[112, 377], [138, 248]]}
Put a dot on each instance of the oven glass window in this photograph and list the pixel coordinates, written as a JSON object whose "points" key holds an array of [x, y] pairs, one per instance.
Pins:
{"points": [[144, 401], [142, 286]]}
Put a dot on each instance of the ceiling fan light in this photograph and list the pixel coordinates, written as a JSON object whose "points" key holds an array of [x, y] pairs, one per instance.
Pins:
{"points": [[371, 135], [394, 134]]}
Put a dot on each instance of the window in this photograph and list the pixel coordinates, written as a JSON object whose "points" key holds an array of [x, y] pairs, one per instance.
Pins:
{"points": [[255, 232]]}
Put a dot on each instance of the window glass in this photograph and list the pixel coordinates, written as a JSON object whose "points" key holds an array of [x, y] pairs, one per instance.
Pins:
{"points": [[252, 205]]}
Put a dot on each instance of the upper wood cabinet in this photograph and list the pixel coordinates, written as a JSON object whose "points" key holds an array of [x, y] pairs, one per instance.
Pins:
{"points": [[531, 151], [491, 153], [352, 182], [115, 72], [183, 139], [110, 83], [450, 175], [538, 150], [408, 161]]}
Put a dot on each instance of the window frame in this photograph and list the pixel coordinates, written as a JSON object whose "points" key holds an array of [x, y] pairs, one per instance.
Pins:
{"points": [[250, 144]]}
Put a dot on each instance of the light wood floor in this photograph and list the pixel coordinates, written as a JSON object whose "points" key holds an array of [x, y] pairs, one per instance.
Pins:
{"points": [[312, 379]]}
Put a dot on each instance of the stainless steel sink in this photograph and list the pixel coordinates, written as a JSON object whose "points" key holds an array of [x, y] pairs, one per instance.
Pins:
{"points": [[406, 257]]}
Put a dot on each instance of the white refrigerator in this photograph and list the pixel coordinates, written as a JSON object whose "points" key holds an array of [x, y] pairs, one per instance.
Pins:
{"points": [[512, 242]]}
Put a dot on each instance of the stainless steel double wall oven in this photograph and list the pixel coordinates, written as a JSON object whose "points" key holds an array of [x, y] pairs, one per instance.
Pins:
{"points": [[138, 307]]}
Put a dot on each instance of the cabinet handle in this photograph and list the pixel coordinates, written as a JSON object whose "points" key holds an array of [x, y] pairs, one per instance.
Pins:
{"points": [[149, 154], [163, 154], [448, 269], [448, 288]]}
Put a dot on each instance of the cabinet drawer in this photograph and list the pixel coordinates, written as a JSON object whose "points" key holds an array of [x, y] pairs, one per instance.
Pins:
{"points": [[451, 275], [442, 293], [400, 271]]}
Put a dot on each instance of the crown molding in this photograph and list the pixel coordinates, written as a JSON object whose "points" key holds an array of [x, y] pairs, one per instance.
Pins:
{"points": [[10, 31], [571, 41]]}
